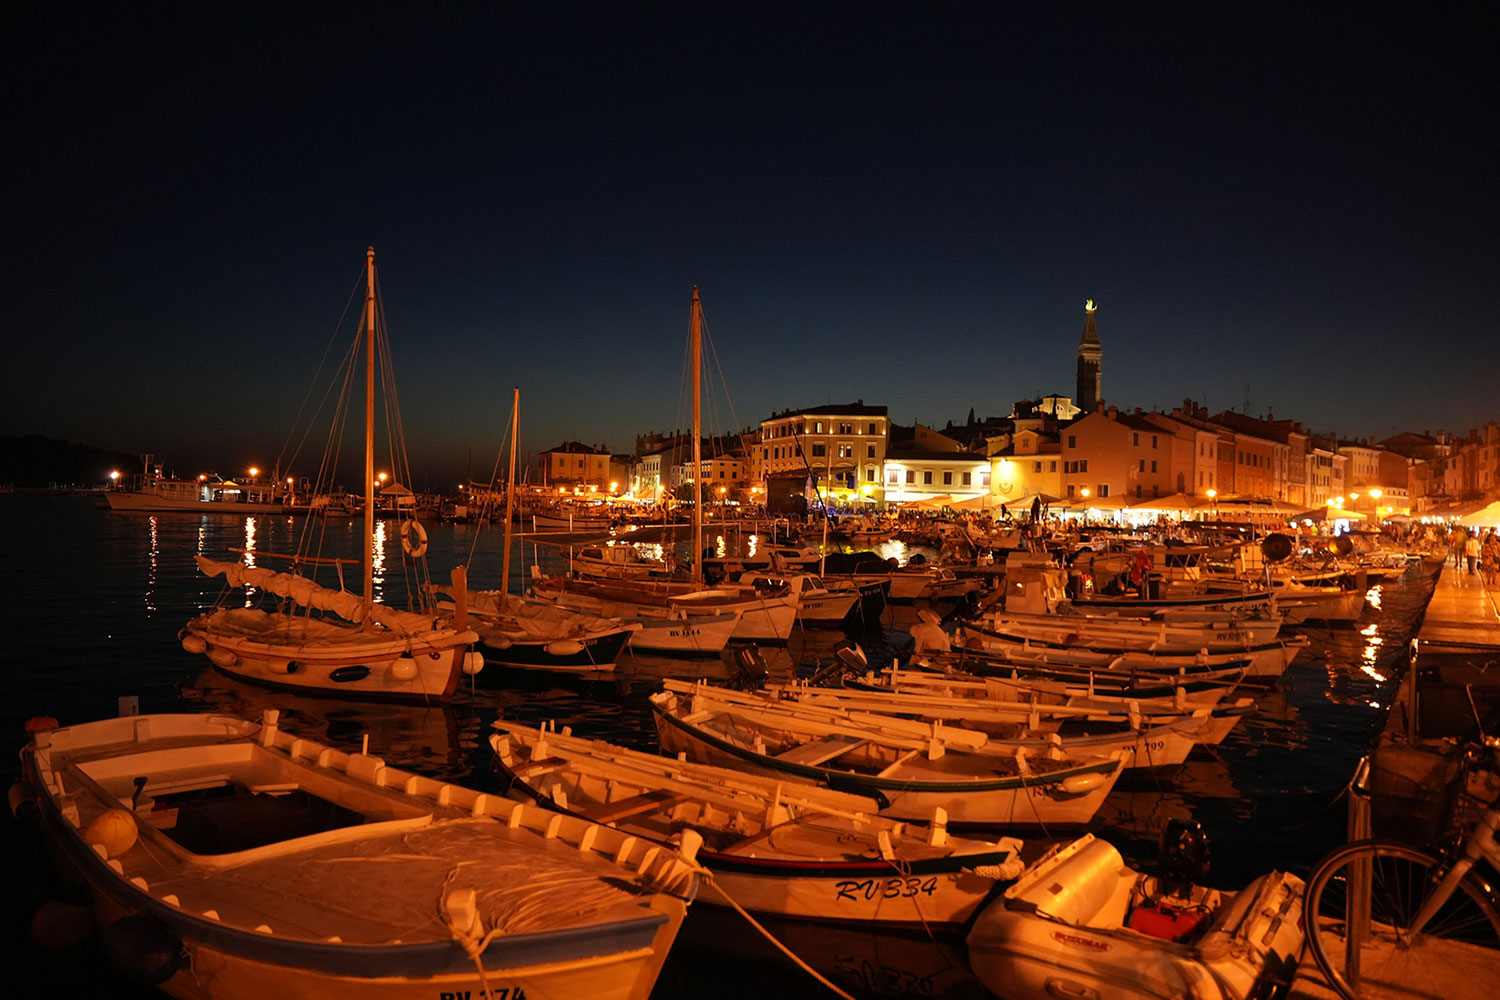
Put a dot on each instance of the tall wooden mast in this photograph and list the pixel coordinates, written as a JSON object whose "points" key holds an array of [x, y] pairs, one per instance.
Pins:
{"points": [[369, 598], [510, 494], [697, 340]]}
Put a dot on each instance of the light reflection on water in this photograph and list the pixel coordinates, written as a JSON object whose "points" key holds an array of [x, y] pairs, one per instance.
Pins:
{"points": [[1268, 795]]}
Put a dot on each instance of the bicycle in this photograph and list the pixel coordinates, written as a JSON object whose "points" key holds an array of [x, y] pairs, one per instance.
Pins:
{"points": [[1388, 920]]}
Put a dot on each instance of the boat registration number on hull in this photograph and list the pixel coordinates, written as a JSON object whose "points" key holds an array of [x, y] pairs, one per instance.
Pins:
{"points": [[884, 888]]}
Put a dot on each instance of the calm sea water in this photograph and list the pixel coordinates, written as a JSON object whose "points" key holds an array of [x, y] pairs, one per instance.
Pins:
{"points": [[92, 602]]}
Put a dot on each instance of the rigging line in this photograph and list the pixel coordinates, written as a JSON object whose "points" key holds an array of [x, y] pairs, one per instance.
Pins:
{"points": [[327, 348]]}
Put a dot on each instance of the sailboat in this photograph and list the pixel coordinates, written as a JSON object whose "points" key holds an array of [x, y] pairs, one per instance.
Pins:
{"points": [[759, 615], [531, 634], [319, 638]]}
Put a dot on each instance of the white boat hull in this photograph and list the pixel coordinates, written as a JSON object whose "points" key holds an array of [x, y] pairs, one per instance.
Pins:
{"points": [[296, 653]]}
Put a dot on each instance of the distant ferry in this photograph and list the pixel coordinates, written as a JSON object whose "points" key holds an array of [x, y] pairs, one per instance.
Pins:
{"points": [[210, 495]]}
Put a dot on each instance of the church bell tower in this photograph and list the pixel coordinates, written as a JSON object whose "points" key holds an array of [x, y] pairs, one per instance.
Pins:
{"points": [[1089, 355]]}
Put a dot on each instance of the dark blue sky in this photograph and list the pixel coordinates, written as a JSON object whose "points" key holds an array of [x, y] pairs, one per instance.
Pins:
{"points": [[902, 202]]}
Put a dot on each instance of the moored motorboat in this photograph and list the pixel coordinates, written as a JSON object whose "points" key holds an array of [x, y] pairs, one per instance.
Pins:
{"points": [[1080, 923], [231, 860], [770, 846]]}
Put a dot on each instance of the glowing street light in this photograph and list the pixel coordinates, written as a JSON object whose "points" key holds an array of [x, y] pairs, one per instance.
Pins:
{"points": [[114, 476], [254, 472]]}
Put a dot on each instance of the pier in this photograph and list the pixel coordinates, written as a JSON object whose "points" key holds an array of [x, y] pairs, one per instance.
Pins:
{"points": [[1457, 640]]}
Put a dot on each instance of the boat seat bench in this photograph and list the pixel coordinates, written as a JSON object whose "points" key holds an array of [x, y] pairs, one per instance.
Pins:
{"points": [[820, 751], [612, 812]]}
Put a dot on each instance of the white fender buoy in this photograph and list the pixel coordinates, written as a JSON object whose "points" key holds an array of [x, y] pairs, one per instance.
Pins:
{"points": [[499, 642], [404, 668], [473, 662], [194, 643], [564, 647], [413, 539], [279, 667], [223, 657], [114, 832], [929, 616], [1078, 784]]}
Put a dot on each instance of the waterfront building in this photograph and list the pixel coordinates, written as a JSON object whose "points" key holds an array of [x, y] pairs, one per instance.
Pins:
{"points": [[574, 464], [1090, 363], [1030, 463], [1114, 454], [1194, 458], [930, 464], [649, 481], [842, 445], [1325, 471]]}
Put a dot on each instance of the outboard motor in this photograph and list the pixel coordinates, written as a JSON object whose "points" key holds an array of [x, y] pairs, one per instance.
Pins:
{"points": [[1182, 853], [750, 668]]}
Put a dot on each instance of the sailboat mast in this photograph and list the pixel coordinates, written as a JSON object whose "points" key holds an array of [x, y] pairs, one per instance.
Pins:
{"points": [[510, 494], [697, 340], [369, 564]]}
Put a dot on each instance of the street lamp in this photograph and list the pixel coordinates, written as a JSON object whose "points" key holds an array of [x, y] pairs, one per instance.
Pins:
{"points": [[1213, 495]]}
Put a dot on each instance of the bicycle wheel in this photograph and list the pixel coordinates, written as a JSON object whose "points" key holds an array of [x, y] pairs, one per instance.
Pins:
{"points": [[1459, 948]]}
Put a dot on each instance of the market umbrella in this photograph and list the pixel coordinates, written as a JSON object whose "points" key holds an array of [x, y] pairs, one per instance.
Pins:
{"points": [[1483, 518], [1327, 514], [1175, 501]]}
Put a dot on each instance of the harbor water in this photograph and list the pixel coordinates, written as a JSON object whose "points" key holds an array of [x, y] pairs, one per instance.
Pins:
{"points": [[93, 601]]}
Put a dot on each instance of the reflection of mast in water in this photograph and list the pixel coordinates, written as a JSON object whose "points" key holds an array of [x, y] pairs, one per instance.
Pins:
{"points": [[425, 739]]}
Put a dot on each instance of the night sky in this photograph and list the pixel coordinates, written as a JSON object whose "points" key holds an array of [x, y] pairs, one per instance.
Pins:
{"points": [[907, 203]]}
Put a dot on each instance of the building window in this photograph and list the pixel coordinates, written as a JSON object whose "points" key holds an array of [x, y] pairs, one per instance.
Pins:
{"points": [[892, 477], [869, 451], [984, 480], [1153, 440], [911, 476], [1135, 439], [1070, 491], [947, 479], [927, 478], [1104, 489], [968, 478], [818, 427], [819, 450], [870, 474], [1037, 467], [1083, 465], [873, 429], [1141, 465], [1153, 466], [1072, 440], [1137, 491], [1051, 466]]}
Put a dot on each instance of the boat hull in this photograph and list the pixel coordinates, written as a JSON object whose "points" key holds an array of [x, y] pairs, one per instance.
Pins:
{"points": [[281, 651], [594, 653], [243, 903], [1024, 956], [156, 504], [916, 894], [990, 799]]}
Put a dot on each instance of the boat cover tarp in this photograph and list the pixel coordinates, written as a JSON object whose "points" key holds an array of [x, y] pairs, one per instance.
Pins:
{"points": [[391, 887], [311, 595]]}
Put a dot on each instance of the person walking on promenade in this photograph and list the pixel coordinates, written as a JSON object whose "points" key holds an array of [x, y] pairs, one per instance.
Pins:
{"points": [[1489, 559], [1456, 539], [1471, 552]]}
